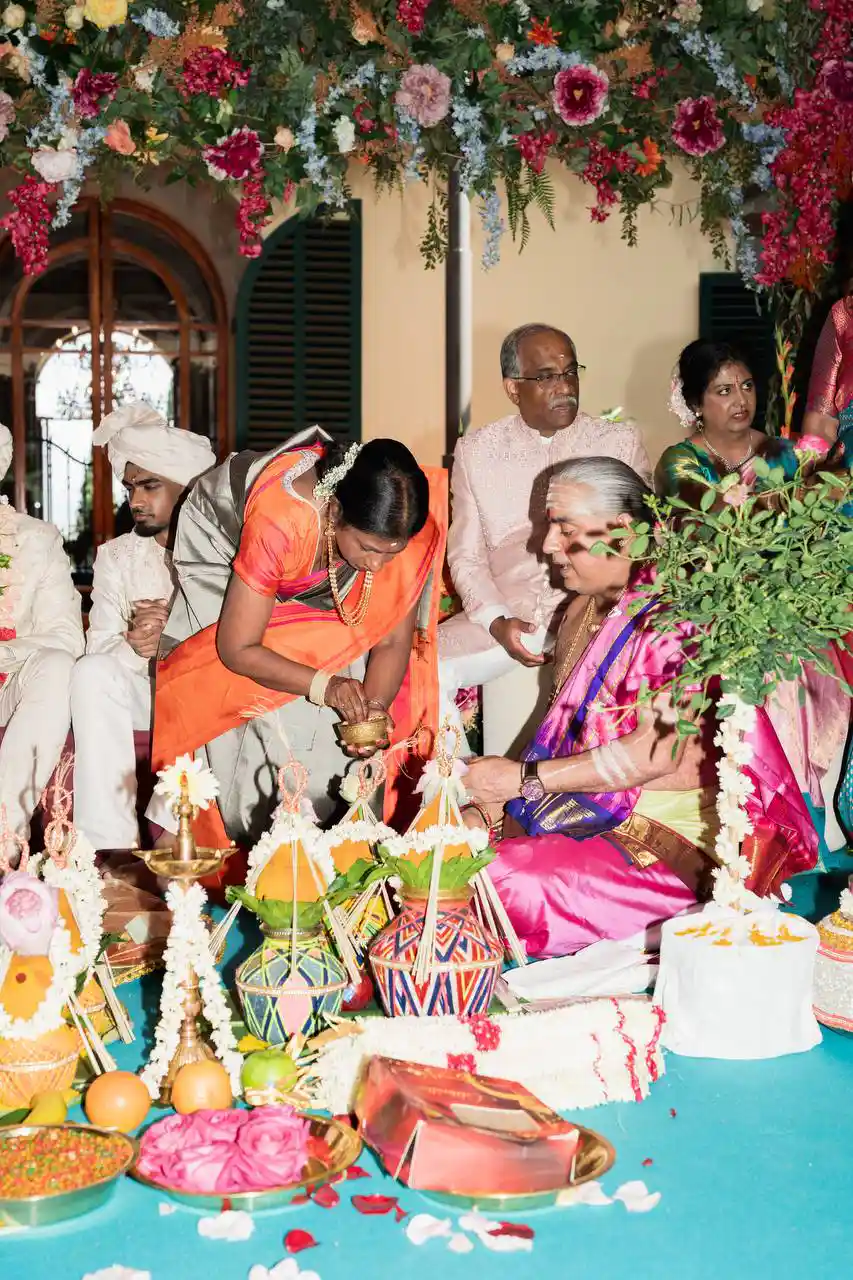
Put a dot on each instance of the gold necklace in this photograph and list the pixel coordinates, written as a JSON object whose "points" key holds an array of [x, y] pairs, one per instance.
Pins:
{"points": [[729, 467], [586, 628], [356, 618]]}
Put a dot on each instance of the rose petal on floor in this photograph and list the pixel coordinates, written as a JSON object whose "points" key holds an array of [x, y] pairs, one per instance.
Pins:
{"points": [[232, 1225], [636, 1197], [296, 1241]]}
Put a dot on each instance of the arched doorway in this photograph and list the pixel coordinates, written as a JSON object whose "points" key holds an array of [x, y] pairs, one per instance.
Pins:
{"points": [[130, 306]]}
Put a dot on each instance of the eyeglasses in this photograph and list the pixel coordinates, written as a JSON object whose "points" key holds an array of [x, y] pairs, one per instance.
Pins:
{"points": [[551, 379]]}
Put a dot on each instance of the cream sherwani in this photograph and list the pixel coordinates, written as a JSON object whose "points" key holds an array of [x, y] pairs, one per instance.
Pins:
{"points": [[34, 697], [111, 690], [494, 547]]}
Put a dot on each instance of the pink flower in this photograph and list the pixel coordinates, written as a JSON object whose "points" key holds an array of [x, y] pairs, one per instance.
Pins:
{"points": [[697, 128], [7, 115], [737, 495], [235, 156], [275, 1144], [838, 78], [253, 214], [29, 909], [580, 94], [88, 90], [811, 447], [424, 94], [213, 72], [118, 138], [27, 224], [411, 14]]}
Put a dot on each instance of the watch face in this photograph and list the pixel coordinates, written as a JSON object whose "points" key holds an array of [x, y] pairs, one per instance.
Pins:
{"points": [[532, 789]]}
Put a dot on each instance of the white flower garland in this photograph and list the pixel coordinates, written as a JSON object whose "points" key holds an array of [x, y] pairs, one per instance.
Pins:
{"points": [[735, 788], [82, 885], [476, 838], [49, 1016], [288, 829], [188, 949], [362, 829]]}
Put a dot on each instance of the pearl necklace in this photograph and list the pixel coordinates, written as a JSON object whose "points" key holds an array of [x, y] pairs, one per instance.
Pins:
{"points": [[728, 467], [355, 618]]}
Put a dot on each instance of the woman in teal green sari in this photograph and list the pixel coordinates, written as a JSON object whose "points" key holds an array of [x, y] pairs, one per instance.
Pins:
{"points": [[713, 393]]}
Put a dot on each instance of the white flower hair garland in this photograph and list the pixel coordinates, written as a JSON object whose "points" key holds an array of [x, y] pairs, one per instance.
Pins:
{"points": [[187, 950], [324, 488], [677, 404], [735, 789]]}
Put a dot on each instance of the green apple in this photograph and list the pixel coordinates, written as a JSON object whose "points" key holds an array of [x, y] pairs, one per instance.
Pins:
{"points": [[269, 1068]]}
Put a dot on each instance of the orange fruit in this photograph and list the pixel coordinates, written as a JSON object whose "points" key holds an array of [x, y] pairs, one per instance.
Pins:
{"points": [[201, 1086], [117, 1100]]}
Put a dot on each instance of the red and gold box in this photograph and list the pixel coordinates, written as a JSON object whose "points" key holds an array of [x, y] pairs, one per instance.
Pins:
{"points": [[451, 1131]]}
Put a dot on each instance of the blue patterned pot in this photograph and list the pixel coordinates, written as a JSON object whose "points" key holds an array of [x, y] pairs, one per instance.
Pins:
{"points": [[280, 999]]}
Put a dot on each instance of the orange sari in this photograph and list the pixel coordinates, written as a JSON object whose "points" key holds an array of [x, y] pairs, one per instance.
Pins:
{"points": [[198, 698]]}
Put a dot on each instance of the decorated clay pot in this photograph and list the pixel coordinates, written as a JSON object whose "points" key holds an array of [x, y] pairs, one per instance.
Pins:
{"points": [[289, 984], [468, 961], [833, 973]]}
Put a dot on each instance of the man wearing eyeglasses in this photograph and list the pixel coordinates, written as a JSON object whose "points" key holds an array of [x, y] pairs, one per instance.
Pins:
{"points": [[499, 482]]}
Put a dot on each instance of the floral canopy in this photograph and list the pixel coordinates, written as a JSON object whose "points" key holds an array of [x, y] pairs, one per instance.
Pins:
{"points": [[278, 99]]}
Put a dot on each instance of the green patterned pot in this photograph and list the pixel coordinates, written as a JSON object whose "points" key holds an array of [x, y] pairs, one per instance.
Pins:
{"points": [[290, 984]]}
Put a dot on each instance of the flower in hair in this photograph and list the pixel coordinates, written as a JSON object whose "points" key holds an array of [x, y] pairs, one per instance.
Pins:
{"points": [[324, 488], [678, 405]]}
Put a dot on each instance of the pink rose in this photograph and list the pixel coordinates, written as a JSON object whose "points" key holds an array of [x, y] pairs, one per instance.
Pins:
{"points": [[118, 138], [275, 1141], [811, 447], [424, 94], [29, 909], [199, 1167], [88, 90], [737, 495]]}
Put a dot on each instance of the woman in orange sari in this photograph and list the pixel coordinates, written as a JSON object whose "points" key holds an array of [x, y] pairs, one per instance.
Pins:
{"points": [[309, 593]]}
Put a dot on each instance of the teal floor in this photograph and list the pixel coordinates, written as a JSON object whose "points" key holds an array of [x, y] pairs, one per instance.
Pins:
{"points": [[754, 1162]]}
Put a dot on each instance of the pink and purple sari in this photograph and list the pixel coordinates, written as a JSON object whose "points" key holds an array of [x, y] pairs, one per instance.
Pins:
{"points": [[577, 875]]}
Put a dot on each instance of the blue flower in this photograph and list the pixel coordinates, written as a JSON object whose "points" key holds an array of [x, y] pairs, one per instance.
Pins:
{"points": [[467, 125], [493, 227], [543, 58], [157, 24], [704, 49]]}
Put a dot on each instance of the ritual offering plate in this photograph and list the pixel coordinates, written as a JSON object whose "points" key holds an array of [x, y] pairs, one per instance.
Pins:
{"points": [[50, 1173], [595, 1155], [267, 1158]]}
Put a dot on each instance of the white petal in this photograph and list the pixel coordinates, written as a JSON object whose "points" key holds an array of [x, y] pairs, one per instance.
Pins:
{"points": [[636, 1197], [423, 1227], [587, 1193], [118, 1272], [476, 1222], [460, 1243], [233, 1225], [506, 1244], [165, 1209]]}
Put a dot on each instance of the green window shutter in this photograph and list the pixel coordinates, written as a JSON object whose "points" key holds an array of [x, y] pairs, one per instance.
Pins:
{"points": [[728, 313], [299, 334]]}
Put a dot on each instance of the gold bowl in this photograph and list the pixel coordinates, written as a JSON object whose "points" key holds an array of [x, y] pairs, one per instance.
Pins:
{"points": [[344, 1144], [364, 733], [47, 1209]]}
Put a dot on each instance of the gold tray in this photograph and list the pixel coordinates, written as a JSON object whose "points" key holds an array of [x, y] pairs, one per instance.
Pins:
{"points": [[595, 1155], [46, 1210], [345, 1145]]}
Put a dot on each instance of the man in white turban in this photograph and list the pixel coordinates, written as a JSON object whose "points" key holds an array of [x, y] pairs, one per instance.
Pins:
{"points": [[41, 636], [132, 591]]}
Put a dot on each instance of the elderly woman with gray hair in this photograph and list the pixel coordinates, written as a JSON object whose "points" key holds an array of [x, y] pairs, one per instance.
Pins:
{"points": [[608, 820]]}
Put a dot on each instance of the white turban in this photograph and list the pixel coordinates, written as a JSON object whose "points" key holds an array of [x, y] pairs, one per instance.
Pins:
{"points": [[137, 433], [5, 450]]}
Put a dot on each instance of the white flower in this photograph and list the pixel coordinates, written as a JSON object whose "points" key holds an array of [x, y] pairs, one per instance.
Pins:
{"points": [[754, 5], [344, 131], [284, 138], [68, 139], [74, 18], [287, 1269], [117, 1272], [350, 788], [143, 76], [845, 903], [13, 16], [232, 1224], [202, 787], [636, 1197], [53, 165]]}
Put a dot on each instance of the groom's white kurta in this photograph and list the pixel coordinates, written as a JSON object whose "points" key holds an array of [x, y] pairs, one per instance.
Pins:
{"points": [[112, 688]]}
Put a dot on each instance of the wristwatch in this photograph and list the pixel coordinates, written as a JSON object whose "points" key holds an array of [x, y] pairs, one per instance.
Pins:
{"points": [[531, 785]]}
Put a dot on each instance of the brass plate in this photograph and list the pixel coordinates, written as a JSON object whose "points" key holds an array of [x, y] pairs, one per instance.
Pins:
{"points": [[594, 1157], [346, 1147], [44, 1211]]}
